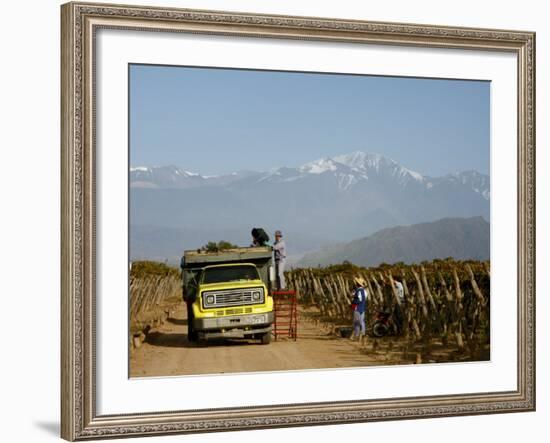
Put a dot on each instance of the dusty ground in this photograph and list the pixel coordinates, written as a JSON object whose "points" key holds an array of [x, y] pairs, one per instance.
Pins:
{"points": [[167, 351]]}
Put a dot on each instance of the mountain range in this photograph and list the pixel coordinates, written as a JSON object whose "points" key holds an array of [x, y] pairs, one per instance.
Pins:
{"points": [[460, 238], [321, 203]]}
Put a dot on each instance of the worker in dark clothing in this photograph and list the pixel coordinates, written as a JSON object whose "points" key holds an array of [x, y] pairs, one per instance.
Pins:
{"points": [[191, 333], [189, 298], [259, 237]]}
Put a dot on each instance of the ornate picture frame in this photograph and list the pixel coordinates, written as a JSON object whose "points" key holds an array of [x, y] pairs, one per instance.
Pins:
{"points": [[80, 22]]}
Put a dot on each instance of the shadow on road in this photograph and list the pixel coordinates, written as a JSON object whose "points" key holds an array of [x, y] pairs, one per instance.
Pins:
{"points": [[227, 342], [175, 340], [177, 321], [167, 340]]}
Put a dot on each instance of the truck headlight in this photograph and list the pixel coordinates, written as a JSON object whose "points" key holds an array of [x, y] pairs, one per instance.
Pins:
{"points": [[256, 295], [209, 299]]}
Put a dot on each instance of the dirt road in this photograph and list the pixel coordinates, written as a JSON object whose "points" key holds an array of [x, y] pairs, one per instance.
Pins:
{"points": [[168, 352]]}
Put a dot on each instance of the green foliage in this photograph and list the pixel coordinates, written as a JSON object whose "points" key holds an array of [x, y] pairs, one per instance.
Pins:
{"points": [[141, 269], [211, 246], [222, 245]]}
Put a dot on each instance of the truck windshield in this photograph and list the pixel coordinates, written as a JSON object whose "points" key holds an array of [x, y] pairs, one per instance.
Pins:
{"points": [[230, 273]]}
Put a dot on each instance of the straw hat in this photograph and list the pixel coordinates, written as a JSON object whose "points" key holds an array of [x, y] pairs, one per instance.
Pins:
{"points": [[359, 281]]}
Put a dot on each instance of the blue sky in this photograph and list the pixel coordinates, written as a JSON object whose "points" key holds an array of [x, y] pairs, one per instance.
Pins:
{"points": [[215, 121]]}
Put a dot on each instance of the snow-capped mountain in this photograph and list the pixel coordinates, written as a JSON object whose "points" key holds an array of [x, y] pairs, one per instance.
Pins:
{"points": [[321, 202], [369, 164], [173, 177], [479, 183], [347, 171], [163, 177], [344, 176], [320, 166]]}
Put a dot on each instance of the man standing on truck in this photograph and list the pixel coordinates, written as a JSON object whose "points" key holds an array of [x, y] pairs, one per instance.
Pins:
{"points": [[279, 250]]}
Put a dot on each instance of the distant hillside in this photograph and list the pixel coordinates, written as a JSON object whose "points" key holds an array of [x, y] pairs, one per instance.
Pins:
{"points": [[461, 238]]}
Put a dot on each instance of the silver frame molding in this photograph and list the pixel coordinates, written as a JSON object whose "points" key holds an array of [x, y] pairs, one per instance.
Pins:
{"points": [[79, 22]]}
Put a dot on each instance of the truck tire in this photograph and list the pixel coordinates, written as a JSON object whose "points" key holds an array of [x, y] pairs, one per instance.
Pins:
{"points": [[192, 335], [266, 338]]}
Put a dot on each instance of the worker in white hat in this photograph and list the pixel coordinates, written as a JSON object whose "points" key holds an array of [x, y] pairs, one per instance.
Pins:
{"points": [[359, 305], [279, 249]]}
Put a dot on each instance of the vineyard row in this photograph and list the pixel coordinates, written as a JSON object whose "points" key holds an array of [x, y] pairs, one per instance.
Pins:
{"points": [[443, 300]]}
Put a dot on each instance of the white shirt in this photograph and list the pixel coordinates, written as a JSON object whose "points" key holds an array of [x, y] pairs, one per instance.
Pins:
{"points": [[400, 292]]}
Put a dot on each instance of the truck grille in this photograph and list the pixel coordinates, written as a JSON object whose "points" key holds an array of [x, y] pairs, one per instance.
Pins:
{"points": [[233, 297], [234, 311]]}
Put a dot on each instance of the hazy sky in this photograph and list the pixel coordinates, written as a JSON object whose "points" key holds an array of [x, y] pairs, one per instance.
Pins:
{"points": [[214, 121]]}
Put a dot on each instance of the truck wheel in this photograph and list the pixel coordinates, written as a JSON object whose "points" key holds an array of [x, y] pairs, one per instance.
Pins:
{"points": [[266, 338], [192, 335]]}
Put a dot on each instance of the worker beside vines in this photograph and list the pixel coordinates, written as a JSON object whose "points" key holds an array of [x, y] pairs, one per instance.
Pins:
{"points": [[359, 305]]}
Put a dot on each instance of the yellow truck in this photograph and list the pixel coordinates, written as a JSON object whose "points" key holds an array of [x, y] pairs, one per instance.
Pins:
{"points": [[227, 293]]}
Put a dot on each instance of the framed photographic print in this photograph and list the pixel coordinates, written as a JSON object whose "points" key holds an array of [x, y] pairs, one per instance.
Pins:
{"points": [[277, 221]]}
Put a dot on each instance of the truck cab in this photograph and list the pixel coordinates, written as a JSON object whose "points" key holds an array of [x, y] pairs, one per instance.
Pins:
{"points": [[228, 293]]}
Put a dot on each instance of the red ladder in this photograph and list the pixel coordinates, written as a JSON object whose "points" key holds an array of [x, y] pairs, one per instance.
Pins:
{"points": [[286, 314]]}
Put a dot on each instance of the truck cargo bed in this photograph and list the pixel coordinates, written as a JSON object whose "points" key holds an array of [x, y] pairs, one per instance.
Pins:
{"points": [[194, 258]]}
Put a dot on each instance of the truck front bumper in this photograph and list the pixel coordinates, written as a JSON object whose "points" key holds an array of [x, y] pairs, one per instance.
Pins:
{"points": [[234, 325], [233, 333], [233, 321]]}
